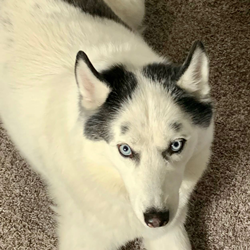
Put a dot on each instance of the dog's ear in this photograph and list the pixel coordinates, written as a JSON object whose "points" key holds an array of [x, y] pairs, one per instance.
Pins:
{"points": [[194, 72], [92, 88]]}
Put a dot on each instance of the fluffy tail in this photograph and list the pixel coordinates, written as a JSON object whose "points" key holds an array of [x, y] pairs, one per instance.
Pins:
{"points": [[131, 12]]}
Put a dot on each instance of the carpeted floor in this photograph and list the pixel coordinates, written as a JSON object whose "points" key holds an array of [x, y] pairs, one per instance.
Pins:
{"points": [[220, 207]]}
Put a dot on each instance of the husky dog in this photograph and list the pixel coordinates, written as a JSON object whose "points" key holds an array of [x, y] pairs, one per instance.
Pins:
{"points": [[120, 134]]}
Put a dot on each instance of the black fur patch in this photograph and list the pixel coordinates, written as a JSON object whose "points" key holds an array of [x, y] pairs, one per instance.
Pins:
{"points": [[96, 8], [168, 75], [122, 84]]}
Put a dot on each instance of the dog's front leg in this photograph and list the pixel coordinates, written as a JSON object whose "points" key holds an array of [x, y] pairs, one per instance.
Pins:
{"points": [[176, 239]]}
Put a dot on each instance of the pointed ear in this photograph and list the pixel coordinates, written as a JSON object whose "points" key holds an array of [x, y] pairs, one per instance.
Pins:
{"points": [[92, 88], [194, 72]]}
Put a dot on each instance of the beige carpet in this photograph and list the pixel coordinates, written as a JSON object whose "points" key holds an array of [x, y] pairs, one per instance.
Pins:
{"points": [[220, 207]]}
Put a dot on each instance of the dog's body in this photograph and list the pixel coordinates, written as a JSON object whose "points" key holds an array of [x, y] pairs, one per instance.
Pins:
{"points": [[70, 123]]}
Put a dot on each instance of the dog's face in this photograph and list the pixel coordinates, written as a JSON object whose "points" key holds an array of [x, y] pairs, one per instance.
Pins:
{"points": [[150, 118], [151, 143]]}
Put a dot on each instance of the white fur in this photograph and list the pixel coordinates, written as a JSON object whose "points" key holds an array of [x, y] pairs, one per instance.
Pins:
{"points": [[100, 196]]}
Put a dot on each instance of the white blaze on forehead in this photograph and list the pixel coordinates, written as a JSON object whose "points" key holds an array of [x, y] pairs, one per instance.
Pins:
{"points": [[150, 114]]}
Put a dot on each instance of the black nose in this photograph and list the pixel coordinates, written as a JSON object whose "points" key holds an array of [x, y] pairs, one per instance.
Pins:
{"points": [[154, 218]]}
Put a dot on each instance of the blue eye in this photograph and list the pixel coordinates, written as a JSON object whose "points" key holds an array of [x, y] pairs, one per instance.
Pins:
{"points": [[177, 145], [125, 150]]}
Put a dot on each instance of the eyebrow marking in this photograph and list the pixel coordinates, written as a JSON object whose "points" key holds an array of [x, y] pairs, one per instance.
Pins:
{"points": [[176, 126], [124, 129]]}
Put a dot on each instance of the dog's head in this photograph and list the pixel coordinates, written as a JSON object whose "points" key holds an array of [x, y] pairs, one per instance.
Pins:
{"points": [[150, 119]]}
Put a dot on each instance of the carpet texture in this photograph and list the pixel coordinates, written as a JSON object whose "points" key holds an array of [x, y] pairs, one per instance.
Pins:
{"points": [[219, 216]]}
